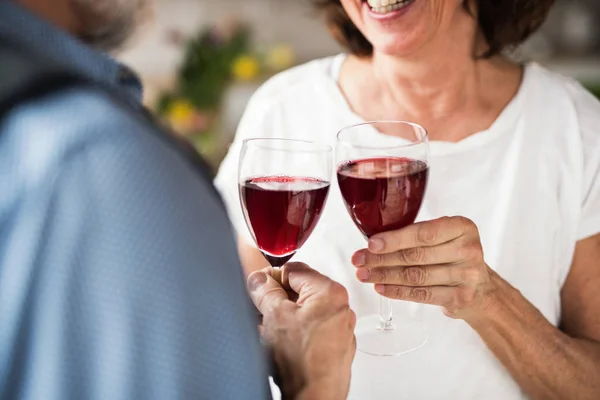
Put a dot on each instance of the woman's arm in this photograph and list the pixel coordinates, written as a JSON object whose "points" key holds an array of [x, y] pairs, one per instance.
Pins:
{"points": [[441, 262], [548, 363]]}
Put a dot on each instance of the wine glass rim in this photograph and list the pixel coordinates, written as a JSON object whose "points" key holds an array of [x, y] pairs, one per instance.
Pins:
{"points": [[423, 140], [316, 147]]}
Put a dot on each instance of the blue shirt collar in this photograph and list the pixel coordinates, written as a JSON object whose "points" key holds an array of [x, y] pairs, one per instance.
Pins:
{"points": [[25, 27]]}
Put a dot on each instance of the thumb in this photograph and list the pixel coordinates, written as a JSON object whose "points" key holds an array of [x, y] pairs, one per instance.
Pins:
{"points": [[265, 291]]}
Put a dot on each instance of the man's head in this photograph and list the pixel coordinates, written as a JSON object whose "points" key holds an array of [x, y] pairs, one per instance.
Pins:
{"points": [[104, 24]]}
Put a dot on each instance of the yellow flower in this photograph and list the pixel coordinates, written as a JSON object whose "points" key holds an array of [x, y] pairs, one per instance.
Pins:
{"points": [[281, 57], [246, 68], [181, 114]]}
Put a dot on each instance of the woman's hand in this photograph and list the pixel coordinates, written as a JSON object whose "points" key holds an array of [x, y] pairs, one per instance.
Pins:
{"points": [[435, 262]]}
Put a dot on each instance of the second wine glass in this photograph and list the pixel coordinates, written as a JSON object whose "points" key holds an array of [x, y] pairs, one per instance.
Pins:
{"points": [[382, 174]]}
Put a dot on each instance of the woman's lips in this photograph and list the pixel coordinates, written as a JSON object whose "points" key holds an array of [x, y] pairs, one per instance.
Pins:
{"points": [[388, 11]]}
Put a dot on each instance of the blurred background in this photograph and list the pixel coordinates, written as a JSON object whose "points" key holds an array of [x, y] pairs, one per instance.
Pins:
{"points": [[202, 59]]}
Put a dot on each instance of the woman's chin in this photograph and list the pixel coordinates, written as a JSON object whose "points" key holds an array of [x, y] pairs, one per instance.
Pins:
{"points": [[397, 47], [400, 32]]}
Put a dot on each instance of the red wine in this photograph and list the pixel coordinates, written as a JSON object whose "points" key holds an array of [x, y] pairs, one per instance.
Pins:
{"points": [[282, 212], [383, 194]]}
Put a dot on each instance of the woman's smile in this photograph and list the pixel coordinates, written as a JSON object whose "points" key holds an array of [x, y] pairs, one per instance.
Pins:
{"points": [[386, 9]]}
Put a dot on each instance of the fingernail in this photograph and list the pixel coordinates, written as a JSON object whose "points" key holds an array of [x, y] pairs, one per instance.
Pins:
{"points": [[380, 289], [359, 259], [376, 244], [256, 280], [363, 274]]}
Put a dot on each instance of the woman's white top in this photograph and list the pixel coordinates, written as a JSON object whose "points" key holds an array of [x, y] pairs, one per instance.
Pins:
{"points": [[531, 183]]}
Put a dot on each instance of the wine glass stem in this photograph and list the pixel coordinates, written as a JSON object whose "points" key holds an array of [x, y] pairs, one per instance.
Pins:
{"points": [[385, 314]]}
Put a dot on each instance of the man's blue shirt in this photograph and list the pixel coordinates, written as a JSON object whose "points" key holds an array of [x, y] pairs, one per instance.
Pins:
{"points": [[119, 277]]}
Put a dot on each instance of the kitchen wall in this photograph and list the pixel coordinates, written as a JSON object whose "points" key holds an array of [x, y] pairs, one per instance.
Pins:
{"points": [[273, 21]]}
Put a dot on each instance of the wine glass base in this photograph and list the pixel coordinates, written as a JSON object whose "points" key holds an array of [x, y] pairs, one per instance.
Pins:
{"points": [[404, 336]]}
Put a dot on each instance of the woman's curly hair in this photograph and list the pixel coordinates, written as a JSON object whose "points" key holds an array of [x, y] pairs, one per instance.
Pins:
{"points": [[503, 23]]}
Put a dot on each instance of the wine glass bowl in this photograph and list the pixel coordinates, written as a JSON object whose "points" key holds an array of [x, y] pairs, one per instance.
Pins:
{"points": [[383, 194], [383, 169], [283, 187]]}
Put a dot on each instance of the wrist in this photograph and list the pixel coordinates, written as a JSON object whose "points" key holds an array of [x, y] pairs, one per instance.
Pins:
{"points": [[499, 297], [323, 389], [322, 384]]}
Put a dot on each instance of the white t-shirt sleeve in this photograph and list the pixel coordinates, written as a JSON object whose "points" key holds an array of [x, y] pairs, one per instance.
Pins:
{"points": [[258, 121], [588, 109]]}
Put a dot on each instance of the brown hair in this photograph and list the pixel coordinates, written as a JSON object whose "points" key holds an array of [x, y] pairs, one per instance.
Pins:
{"points": [[503, 24]]}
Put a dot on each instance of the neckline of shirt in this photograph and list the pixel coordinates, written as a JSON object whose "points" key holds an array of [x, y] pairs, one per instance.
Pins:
{"points": [[502, 126]]}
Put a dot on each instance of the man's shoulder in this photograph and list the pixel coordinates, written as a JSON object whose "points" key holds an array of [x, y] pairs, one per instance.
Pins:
{"points": [[46, 130], [79, 111]]}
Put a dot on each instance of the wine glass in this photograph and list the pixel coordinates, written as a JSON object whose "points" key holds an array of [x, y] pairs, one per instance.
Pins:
{"points": [[283, 186], [382, 173]]}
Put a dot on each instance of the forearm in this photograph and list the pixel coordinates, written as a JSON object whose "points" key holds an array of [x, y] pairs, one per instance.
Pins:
{"points": [[547, 363], [315, 393], [321, 391], [324, 386]]}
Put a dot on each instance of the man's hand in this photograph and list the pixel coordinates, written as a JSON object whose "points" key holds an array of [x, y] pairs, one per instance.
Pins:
{"points": [[313, 337]]}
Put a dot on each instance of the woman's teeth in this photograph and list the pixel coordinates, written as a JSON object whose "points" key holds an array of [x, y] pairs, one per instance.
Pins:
{"points": [[386, 6]]}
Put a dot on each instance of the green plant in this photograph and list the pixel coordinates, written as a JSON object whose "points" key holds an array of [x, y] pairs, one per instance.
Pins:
{"points": [[207, 68], [594, 89]]}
